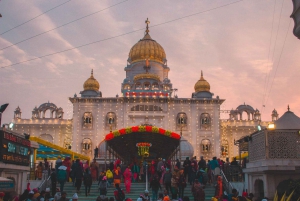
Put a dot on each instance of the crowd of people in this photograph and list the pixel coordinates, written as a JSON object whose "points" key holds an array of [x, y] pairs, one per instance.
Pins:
{"points": [[171, 179]]}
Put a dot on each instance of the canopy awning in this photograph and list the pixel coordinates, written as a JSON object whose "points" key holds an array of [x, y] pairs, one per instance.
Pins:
{"points": [[243, 155], [52, 151], [124, 141]]}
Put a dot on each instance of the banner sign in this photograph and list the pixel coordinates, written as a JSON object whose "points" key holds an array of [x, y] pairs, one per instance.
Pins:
{"points": [[6, 185], [14, 149]]}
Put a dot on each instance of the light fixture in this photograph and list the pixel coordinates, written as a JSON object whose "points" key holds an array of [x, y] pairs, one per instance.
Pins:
{"points": [[11, 125], [259, 127], [271, 126]]}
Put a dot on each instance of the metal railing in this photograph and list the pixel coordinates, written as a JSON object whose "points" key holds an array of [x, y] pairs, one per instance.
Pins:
{"points": [[33, 171], [44, 184], [227, 185], [233, 173]]}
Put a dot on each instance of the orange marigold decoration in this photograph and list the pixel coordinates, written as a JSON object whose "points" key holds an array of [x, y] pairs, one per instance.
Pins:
{"points": [[135, 129]]}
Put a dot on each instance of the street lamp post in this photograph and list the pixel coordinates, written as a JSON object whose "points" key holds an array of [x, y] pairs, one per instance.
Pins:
{"points": [[146, 176], [181, 125]]}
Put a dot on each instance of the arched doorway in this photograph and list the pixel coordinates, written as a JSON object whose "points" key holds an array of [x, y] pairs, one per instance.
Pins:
{"points": [[124, 142], [259, 188]]}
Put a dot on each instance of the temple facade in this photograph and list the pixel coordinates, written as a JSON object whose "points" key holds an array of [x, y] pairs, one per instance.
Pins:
{"points": [[147, 98]]}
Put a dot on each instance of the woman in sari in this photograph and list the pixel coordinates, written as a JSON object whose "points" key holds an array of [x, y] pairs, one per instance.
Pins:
{"points": [[127, 177]]}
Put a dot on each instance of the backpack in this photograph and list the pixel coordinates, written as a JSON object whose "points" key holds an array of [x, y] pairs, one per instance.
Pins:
{"points": [[61, 175]]}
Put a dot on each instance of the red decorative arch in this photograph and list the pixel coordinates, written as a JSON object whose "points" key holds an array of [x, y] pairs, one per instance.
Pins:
{"points": [[138, 129]]}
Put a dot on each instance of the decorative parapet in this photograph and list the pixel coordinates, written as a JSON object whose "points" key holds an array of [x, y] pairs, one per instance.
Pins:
{"points": [[277, 144]]}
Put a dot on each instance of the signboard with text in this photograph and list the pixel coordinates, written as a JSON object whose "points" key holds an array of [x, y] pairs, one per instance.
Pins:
{"points": [[14, 149], [7, 185]]}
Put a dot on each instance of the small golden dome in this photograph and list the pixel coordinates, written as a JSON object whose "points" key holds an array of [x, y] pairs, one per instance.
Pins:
{"points": [[91, 84], [147, 48], [202, 85]]}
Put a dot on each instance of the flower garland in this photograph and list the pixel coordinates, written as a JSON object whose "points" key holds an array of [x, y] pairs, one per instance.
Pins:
{"points": [[136, 129], [143, 144]]}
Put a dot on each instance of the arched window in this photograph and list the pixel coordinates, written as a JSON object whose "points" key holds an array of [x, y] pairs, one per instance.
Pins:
{"points": [[111, 120], [181, 120], [127, 87], [87, 120], [147, 86], [138, 86], [205, 120], [166, 87], [86, 145], [224, 148], [155, 86], [205, 145]]}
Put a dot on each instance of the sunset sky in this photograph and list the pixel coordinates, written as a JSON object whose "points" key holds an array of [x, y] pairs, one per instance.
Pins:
{"points": [[246, 49]]}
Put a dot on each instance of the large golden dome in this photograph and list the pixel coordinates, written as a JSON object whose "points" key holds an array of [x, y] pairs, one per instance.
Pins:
{"points": [[202, 85], [91, 84], [147, 48]]}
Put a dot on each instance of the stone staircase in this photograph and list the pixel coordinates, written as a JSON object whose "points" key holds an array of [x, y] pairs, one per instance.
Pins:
{"points": [[136, 190]]}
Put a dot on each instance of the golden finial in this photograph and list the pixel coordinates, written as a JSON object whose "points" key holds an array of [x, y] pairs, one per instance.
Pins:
{"points": [[92, 73], [201, 73], [147, 27]]}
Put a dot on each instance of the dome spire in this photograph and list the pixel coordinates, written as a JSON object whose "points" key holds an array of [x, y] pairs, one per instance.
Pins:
{"points": [[147, 26], [202, 84], [91, 83]]}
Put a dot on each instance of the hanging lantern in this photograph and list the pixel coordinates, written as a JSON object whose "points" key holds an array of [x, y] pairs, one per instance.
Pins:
{"points": [[143, 148]]}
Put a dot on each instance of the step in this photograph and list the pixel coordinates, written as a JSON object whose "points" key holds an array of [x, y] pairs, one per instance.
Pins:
{"points": [[136, 190]]}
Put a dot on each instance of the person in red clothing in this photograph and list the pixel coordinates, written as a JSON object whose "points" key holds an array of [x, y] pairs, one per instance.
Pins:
{"points": [[119, 193], [152, 169], [127, 176], [67, 163]]}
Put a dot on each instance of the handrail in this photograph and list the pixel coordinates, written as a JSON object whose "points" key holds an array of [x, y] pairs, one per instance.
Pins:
{"points": [[44, 182], [227, 182], [62, 149]]}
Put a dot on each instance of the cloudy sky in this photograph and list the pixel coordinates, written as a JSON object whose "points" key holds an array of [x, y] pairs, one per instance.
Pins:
{"points": [[245, 48]]}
